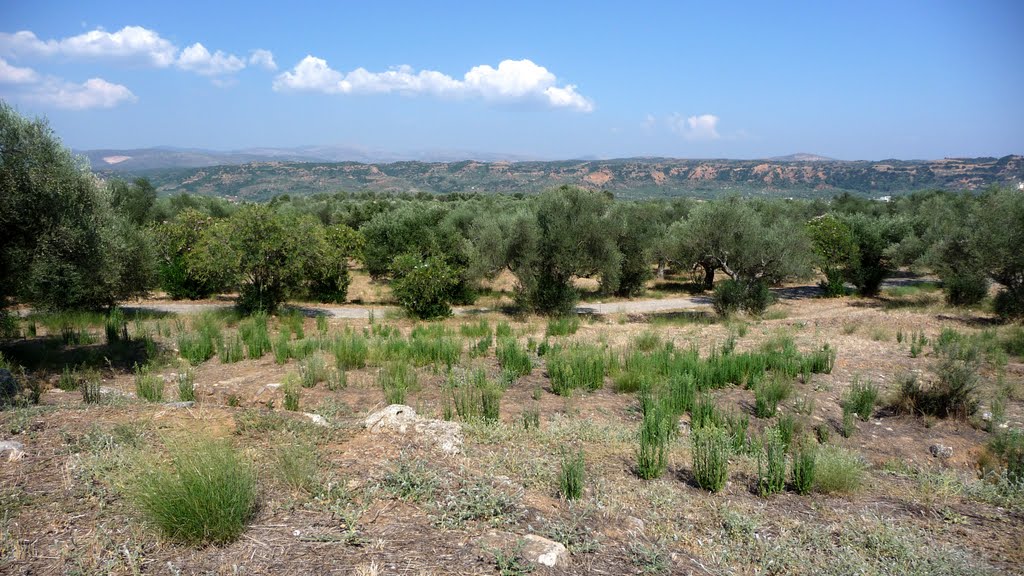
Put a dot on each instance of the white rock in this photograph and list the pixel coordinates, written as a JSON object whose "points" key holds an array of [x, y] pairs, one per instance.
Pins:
{"points": [[316, 419], [13, 450], [403, 420], [545, 552]]}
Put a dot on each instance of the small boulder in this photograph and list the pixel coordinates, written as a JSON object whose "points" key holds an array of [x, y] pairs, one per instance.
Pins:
{"points": [[12, 450], [316, 419], [940, 451], [545, 552], [447, 436], [185, 404]]}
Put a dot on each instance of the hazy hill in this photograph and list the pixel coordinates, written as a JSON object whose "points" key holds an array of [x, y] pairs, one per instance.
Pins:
{"points": [[633, 177]]}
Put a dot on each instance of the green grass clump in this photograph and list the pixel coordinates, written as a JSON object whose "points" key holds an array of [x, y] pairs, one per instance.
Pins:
{"points": [[293, 322], [186, 385], [196, 347], [655, 434], [576, 367], [255, 334], [205, 496], [411, 480], [282, 347], [737, 425], [90, 385], [434, 344], [296, 464], [473, 396], [69, 380], [397, 379], [681, 392], [647, 341], [838, 470], [231, 350], [805, 457], [350, 350], [513, 358], [292, 393], [861, 399], [563, 326], [570, 476], [148, 386], [710, 449], [312, 371], [705, 414], [476, 329], [503, 329], [771, 464], [769, 393], [115, 328]]}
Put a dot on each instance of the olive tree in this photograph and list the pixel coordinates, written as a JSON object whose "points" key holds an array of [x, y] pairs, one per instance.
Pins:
{"points": [[997, 241], [836, 250]]}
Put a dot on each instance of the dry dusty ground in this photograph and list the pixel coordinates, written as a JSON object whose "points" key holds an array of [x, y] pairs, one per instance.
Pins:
{"points": [[66, 507]]}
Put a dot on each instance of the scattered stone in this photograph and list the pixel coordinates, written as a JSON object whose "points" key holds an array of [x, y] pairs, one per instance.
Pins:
{"points": [[545, 552], [13, 450], [9, 387], [186, 404], [403, 420], [940, 451], [108, 391], [986, 416], [634, 524], [316, 419], [273, 385]]}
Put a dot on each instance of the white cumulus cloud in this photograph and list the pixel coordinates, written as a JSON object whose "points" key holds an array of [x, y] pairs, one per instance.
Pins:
{"points": [[702, 127], [196, 58], [93, 93], [10, 74], [130, 42], [263, 58], [512, 80]]}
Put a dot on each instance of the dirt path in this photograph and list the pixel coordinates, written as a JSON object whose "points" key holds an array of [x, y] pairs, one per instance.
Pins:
{"points": [[363, 312]]}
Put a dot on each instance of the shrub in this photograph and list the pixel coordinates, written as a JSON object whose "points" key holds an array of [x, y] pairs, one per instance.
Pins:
{"points": [[705, 414], [434, 345], [655, 433], [282, 347], [91, 387], [570, 477], [231, 350], [312, 371], [805, 457], [771, 464], [350, 350], [728, 298], [531, 419], [255, 335], [292, 393], [861, 399], [682, 389], [838, 470], [411, 480], [115, 328], [68, 381], [196, 347], [512, 358], [953, 394], [476, 330], [737, 426], [768, 395], [849, 424], [710, 457], [396, 379], [424, 288], [563, 326], [1008, 448], [206, 494], [576, 367], [148, 386], [965, 287], [295, 463]]}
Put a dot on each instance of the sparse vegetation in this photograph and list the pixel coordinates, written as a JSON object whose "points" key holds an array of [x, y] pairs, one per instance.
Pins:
{"points": [[710, 448]]}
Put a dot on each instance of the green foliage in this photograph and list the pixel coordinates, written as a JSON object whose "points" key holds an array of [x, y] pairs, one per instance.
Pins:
{"points": [[476, 330], [513, 358], [186, 385], [397, 379], [296, 464], [434, 344], [576, 367], [1008, 448], [205, 495], [424, 288], [705, 413], [656, 430], [350, 350], [768, 395], [411, 480], [873, 237], [836, 249], [731, 296], [563, 325], [186, 268], [196, 347], [997, 240], [65, 245], [256, 336], [90, 386], [282, 347], [710, 449], [326, 270], [861, 399], [771, 464], [292, 391], [838, 470], [148, 386], [231, 349], [571, 475], [805, 457], [312, 371]]}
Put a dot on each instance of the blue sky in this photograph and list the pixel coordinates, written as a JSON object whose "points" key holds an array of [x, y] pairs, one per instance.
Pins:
{"points": [[851, 80]]}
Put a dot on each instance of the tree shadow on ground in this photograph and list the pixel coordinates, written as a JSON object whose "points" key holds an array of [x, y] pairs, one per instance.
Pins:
{"points": [[51, 355]]}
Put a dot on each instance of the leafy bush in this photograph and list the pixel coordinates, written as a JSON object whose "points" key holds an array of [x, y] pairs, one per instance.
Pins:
{"points": [[728, 298], [965, 287], [196, 347], [838, 470], [424, 288], [710, 457], [953, 394], [350, 350], [705, 413], [1008, 448], [206, 494], [570, 476]]}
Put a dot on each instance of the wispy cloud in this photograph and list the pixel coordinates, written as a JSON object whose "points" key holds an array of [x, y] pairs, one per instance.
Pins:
{"points": [[512, 80], [10, 74], [263, 58], [196, 58], [702, 127], [93, 93]]}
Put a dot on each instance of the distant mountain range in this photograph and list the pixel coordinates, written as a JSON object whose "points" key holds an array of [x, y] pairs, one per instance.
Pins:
{"points": [[259, 174]]}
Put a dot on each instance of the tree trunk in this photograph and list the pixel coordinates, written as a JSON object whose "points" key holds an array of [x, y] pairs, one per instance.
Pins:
{"points": [[709, 277], [661, 269]]}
